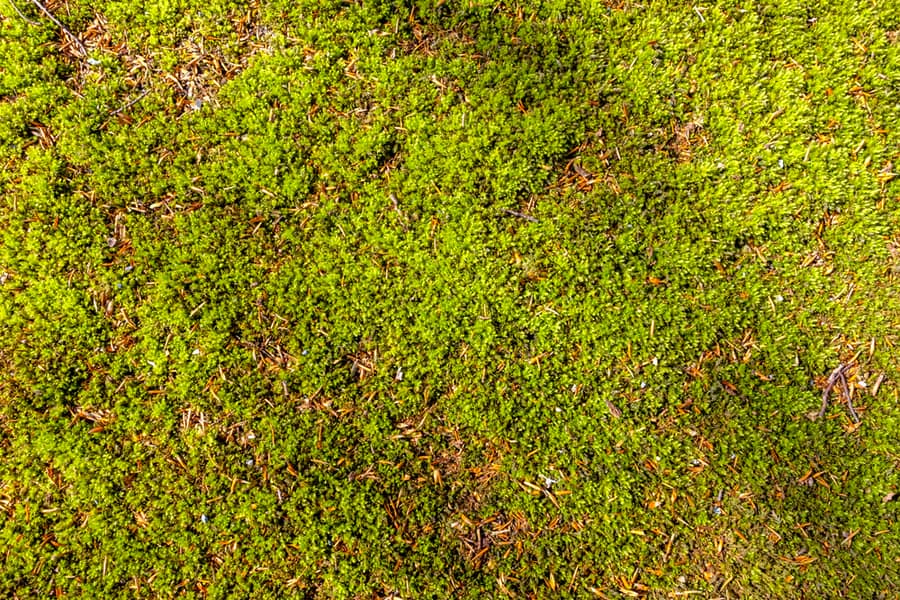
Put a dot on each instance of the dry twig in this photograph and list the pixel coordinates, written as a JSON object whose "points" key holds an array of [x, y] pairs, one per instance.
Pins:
{"points": [[514, 213], [829, 385], [75, 39], [846, 389], [19, 12], [837, 376], [129, 104]]}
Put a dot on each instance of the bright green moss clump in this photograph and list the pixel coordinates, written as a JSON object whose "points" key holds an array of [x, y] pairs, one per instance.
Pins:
{"points": [[449, 299]]}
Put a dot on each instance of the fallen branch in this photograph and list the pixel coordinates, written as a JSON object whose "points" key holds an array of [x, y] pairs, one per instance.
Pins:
{"points": [[75, 39]]}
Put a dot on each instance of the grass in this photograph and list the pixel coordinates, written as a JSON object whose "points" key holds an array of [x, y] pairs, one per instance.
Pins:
{"points": [[449, 299]]}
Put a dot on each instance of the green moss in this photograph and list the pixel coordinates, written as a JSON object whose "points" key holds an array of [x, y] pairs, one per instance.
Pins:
{"points": [[452, 299]]}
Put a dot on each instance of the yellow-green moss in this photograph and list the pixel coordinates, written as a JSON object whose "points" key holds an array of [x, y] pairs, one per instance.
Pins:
{"points": [[448, 299]]}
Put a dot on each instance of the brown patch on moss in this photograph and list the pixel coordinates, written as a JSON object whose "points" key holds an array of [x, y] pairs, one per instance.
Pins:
{"points": [[426, 38], [204, 63], [42, 134], [686, 137], [266, 344], [99, 417], [590, 164], [363, 361], [894, 249], [500, 533]]}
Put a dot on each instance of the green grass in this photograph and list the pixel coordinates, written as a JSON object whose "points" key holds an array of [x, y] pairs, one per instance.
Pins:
{"points": [[449, 299]]}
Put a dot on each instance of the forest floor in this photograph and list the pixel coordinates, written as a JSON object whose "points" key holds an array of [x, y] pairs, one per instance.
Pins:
{"points": [[449, 299]]}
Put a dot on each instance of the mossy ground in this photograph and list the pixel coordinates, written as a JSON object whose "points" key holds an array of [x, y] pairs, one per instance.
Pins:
{"points": [[449, 299]]}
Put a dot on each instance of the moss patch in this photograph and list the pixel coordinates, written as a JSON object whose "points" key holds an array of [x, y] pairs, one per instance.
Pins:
{"points": [[448, 299]]}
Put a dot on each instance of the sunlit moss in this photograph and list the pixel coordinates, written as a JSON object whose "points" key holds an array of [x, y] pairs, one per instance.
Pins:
{"points": [[448, 299]]}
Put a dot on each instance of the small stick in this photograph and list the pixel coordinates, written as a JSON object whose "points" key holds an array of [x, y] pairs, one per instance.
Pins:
{"points": [[129, 104], [583, 172], [19, 12], [399, 212], [59, 24], [520, 215], [846, 390], [832, 380], [877, 385]]}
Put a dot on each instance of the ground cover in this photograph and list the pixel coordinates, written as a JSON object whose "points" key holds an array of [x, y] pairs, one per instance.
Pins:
{"points": [[449, 299]]}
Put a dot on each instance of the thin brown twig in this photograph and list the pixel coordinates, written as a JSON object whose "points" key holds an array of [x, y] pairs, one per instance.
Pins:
{"points": [[399, 212], [838, 376], [587, 175], [19, 12], [829, 385], [129, 104], [520, 215], [877, 385], [846, 390], [59, 24]]}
